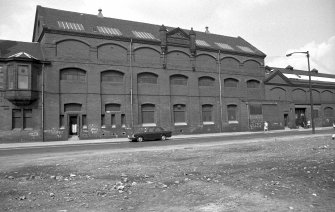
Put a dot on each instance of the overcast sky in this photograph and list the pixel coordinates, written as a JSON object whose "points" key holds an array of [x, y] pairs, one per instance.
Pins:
{"points": [[275, 27]]}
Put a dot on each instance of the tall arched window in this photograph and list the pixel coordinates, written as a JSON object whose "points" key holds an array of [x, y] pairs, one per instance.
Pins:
{"points": [[148, 113], [179, 113], [178, 80], [73, 74], [230, 83], [253, 84], [112, 76], [148, 78], [206, 81]]}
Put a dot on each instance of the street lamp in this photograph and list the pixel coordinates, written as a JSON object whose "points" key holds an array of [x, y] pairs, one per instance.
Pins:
{"points": [[310, 87]]}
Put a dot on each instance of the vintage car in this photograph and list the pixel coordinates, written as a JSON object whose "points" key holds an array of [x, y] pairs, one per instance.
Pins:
{"points": [[149, 133]]}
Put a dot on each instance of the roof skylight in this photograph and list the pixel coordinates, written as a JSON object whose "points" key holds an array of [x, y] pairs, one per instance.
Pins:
{"points": [[202, 43], [144, 35], [109, 31], [71, 26], [224, 46], [246, 49]]}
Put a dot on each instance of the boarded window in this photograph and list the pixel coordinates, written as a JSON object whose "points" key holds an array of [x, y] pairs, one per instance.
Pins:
{"points": [[179, 113], [206, 81], [178, 80], [72, 107], [23, 77], [112, 76], [27, 119], [255, 109], [148, 78], [328, 112], [230, 83], [207, 113], [253, 84], [232, 111], [112, 107], [73, 74], [17, 119], [148, 113]]}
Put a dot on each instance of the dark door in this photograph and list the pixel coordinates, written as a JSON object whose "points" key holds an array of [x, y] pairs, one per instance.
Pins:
{"points": [[285, 120], [300, 117], [73, 125]]}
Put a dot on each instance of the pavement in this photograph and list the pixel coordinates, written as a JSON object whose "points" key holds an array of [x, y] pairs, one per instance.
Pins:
{"points": [[118, 140]]}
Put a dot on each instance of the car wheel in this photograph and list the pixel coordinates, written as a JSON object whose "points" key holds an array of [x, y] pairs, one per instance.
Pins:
{"points": [[163, 138], [140, 139]]}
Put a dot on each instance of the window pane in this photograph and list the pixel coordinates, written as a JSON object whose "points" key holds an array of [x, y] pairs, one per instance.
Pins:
{"points": [[16, 118], [253, 84], [179, 113], [147, 78], [148, 117], [123, 119], [111, 76], [61, 121], [178, 80], [2, 77], [23, 77], [207, 113], [10, 77], [27, 119], [113, 121], [73, 74], [84, 120], [230, 83], [112, 107], [72, 107], [328, 112], [103, 120], [206, 81], [231, 109]]}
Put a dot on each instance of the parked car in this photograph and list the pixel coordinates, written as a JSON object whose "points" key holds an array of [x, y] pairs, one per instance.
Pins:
{"points": [[149, 133]]}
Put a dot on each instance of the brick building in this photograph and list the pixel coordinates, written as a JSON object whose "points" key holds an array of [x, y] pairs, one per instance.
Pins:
{"points": [[94, 77]]}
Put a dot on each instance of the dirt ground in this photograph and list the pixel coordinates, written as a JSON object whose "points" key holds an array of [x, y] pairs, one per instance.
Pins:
{"points": [[282, 174]]}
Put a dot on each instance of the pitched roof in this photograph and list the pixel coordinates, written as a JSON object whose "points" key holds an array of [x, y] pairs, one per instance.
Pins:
{"points": [[92, 24], [10, 49]]}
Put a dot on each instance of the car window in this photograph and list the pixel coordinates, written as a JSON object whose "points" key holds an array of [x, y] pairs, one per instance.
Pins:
{"points": [[159, 129], [151, 129]]}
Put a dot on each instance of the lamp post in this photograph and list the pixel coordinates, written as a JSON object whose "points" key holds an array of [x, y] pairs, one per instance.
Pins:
{"points": [[310, 87]]}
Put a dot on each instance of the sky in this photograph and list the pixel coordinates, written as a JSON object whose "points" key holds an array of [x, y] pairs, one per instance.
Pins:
{"points": [[276, 27]]}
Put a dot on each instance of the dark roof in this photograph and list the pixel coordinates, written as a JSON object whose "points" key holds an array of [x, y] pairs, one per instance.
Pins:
{"points": [[90, 22], [9, 48], [301, 72]]}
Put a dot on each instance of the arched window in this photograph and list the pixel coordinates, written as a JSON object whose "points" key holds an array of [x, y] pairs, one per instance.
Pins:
{"points": [[230, 83], [328, 112], [206, 81], [148, 78], [72, 107], [178, 80], [207, 113], [112, 76], [232, 113], [253, 84], [73, 74], [112, 107], [148, 113], [179, 113]]}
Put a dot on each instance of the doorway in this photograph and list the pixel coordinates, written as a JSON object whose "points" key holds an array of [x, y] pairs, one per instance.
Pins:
{"points": [[300, 117], [73, 125]]}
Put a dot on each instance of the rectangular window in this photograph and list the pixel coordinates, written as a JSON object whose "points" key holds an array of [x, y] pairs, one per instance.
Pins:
{"points": [[84, 121], [27, 119], [2, 76], [113, 121], [17, 119], [103, 123], [23, 77], [123, 120], [10, 77], [207, 111], [179, 114], [231, 109]]}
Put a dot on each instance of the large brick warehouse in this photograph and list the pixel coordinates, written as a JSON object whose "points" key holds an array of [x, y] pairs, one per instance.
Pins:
{"points": [[89, 76]]}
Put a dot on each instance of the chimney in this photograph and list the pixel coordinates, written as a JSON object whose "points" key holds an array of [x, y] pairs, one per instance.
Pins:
{"points": [[207, 31], [100, 13]]}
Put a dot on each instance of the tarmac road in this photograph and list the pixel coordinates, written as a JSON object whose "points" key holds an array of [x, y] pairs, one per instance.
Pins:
{"points": [[179, 140]]}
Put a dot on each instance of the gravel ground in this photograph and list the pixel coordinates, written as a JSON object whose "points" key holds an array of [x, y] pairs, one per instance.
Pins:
{"points": [[283, 174]]}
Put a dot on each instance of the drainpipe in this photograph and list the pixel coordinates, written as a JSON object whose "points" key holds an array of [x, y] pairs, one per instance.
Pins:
{"points": [[42, 112], [131, 82], [219, 70]]}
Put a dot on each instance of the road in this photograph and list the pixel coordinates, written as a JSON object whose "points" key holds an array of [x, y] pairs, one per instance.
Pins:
{"points": [[173, 142]]}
